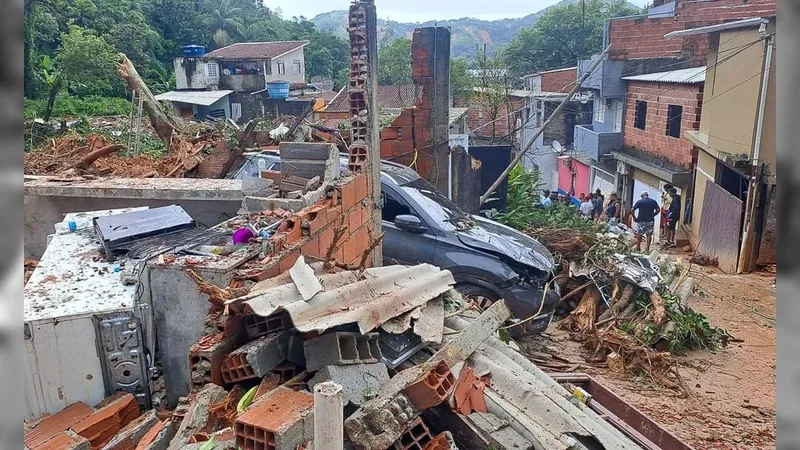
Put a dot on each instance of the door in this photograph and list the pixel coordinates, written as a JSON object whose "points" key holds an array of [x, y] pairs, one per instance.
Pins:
{"points": [[655, 194], [403, 247], [617, 106], [720, 227]]}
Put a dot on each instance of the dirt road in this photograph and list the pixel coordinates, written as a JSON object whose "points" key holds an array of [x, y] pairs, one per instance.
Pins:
{"points": [[731, 404]]}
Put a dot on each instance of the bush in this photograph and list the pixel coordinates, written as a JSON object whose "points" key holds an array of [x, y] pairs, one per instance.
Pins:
{"points": [[71, 106]]}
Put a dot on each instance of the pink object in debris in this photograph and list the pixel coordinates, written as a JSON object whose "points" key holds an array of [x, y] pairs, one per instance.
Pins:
{"points": [[242, 236]]}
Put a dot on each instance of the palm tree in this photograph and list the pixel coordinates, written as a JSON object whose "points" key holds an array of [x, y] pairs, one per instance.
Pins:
{"points": [[222, 16]]}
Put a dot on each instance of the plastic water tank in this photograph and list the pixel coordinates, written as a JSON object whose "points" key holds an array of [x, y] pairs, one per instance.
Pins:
{"points": [[193, 51], [278, 89]]}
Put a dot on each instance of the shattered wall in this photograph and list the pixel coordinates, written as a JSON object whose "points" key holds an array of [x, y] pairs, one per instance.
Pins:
{"points": [[420, 134]]}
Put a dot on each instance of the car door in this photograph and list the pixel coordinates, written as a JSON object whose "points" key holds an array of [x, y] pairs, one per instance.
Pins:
{"points": [[403, 247]]}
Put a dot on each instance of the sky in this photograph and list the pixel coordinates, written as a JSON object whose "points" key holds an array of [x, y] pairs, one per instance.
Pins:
{"points": [[423, 10]]}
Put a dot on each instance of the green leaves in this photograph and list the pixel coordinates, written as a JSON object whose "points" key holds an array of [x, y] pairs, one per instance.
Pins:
{"points": [[562, 36], [394, 63]]}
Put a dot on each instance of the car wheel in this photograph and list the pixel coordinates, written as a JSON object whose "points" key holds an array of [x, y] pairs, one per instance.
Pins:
{"points": [[480, 296]]}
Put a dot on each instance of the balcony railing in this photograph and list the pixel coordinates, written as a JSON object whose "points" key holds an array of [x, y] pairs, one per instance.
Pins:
{"points": [[595, 144]]}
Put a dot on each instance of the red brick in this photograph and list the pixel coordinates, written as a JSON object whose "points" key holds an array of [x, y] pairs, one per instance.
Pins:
{"points": [[416, 437], [210, 351], [269, 383], [311, 248], [361, 187], [62, 441], [433, 389], [325, 240], [355, 246], [288, 261], [333, 213], [52, 425], [114, 413], [262, 425], [440, 442], [348, 195], [150, 436], [354, 216]]}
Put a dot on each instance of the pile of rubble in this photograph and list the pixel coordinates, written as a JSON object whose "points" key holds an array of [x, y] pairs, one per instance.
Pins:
{"points": [[630, 310]]}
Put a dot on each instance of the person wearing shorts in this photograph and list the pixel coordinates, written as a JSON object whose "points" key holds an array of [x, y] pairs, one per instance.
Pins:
{"points": [[673, 214], [644, 213]]}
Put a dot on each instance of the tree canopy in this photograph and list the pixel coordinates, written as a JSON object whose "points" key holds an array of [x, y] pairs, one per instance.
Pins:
{"points": [[150, 33], [562, 36]]}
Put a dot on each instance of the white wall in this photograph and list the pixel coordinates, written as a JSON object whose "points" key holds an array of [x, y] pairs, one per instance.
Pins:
{"points": [[288, 61], [195, 73]]}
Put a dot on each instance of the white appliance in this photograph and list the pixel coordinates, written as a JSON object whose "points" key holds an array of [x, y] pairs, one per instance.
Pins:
{"points": [[84, 332]]}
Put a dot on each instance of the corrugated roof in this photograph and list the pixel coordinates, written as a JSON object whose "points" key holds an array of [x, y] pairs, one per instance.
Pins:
{"points": [[256, 50], [398, 96], [382, 294], [457, 113], [202, 98], [683, 76]]}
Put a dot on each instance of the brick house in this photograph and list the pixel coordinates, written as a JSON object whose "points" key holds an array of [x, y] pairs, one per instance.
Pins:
{"points": [[638, 47]]}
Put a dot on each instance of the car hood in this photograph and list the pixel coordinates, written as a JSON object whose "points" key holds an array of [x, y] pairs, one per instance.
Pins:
{"points": [[497, 238]]}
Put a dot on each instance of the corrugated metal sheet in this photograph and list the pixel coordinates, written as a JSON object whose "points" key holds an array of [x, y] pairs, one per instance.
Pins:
{"points": [[720, 227], [684, 76], [383, 293], [202, 98]]}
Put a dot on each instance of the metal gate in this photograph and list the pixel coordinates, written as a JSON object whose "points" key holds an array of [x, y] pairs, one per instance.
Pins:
{"points": [[720, 227]]}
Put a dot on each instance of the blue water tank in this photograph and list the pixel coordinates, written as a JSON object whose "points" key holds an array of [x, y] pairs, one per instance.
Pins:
{"points": [[278, 89], [193, 51]]}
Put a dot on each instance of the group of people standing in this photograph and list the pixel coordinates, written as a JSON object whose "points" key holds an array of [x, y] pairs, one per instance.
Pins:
{"points": [[594, 207]]}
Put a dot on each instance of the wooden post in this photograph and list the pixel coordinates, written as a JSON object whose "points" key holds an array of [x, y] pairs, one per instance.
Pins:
{"points": [[328, 416]]}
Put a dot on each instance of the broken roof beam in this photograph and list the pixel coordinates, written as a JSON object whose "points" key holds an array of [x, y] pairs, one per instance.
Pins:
{"points": [[381, 421]]}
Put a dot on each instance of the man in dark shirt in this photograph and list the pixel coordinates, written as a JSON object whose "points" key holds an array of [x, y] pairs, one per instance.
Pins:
{"points": [[673, 216], [647, 209]]}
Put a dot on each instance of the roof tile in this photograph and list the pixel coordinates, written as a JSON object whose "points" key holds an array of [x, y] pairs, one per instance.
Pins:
{"points": [[256, 50]]}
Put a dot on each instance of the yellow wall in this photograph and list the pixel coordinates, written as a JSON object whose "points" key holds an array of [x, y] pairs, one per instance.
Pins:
{"points": [[731, 95]]}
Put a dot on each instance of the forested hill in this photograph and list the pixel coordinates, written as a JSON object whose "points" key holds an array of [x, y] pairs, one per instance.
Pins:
{"points": [[467, 33]]}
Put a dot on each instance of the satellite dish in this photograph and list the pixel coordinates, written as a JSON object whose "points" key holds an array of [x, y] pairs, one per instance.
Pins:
{"points": [[557, 146]]}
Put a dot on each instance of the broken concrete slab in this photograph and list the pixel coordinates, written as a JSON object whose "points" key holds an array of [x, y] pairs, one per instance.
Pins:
{"points": [[499, 432], [360, 382], [281, 420], [197, 415], [130, 435], [341, 348], [255, 359]]}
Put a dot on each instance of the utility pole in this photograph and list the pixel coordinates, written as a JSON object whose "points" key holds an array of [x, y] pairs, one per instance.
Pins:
{"points": [[365, 154], [539, 130], [746, 250]]}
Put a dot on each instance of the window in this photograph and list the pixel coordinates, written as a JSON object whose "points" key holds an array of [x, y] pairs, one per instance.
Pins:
{"points": [[211, 70], [281, 68], [268, 67], [296, 68], [599, 111], [392, 207], [640, 116], [674, 113]]}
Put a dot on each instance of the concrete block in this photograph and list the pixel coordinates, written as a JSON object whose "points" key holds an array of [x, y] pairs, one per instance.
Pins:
{"points": [[500, 433], [281, 420], [296, 354], [360, 382], [257, 326], [255, 359], [341, 348], [433, 389], [206, 358]]}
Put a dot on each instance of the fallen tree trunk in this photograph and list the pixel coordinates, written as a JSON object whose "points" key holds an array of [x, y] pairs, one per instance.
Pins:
{"points": [[89, 159], [583, 317], [164, 125], [620, 305], [659, 312]]}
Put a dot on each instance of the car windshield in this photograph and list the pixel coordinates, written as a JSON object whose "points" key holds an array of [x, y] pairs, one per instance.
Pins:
{"points": [[449, 216]]}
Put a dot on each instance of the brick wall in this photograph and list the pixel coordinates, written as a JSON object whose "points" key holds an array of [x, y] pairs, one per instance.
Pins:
{"points": [[654, 140], [478, 117], [347, 208], [561, 80], [644, 37]]}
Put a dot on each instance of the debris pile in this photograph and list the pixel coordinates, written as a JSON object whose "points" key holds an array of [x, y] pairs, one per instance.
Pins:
{"points": [[630, 310]]}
